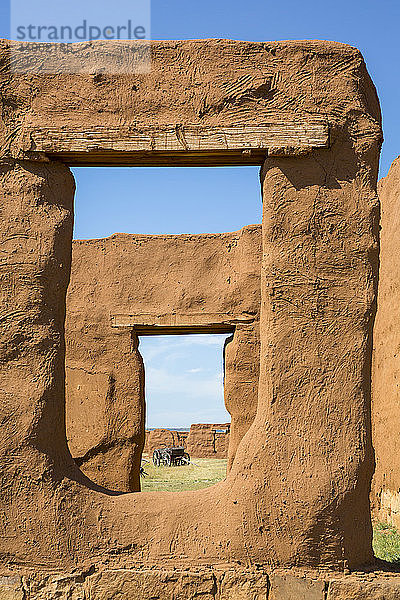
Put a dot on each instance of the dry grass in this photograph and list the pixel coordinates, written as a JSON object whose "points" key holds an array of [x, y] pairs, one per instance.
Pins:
{"points": [[202, 473]]}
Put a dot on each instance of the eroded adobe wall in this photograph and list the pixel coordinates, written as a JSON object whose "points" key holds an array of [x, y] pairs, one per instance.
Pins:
{"points": [[297, 493], [105, 407], [190, 275], [242, 363], [208, 440], [386, 358], [161, 438]]}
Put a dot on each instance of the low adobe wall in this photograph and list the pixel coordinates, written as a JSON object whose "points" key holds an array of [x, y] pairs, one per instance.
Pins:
{"points": [[208, 440], [203, 440], [190, 278], [162, 438]]}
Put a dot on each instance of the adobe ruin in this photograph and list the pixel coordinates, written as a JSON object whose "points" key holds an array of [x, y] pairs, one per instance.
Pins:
{"points": [[385, 498], [203, 440], [297, 494], [164, 438], [208, 440]]}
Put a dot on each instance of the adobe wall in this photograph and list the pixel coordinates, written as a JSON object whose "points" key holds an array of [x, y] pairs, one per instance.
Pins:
{"points": [[105, 407], [386, 370], [297, 494], [161, 438], [241, 360], [206, 440], [191, 276]]}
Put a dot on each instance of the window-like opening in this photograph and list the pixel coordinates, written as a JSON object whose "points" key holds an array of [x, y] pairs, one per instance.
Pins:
{"points": [[165, 200], [122, 283], [187, 424]]}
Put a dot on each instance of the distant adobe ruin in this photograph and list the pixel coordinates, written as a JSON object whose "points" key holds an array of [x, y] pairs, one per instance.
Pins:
{"points": [[204, 440]]}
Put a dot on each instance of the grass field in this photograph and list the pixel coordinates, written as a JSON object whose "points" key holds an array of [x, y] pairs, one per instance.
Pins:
{"points": [[386, 543], [202, 473]]}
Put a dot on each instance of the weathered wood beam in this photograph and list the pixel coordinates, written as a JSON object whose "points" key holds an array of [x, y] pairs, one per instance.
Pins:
{"points": [[145, 324], [171, 145], [109, 158]]}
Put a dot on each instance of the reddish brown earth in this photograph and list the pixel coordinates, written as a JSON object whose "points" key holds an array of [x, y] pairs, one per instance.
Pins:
{"points": [[297, 494]]}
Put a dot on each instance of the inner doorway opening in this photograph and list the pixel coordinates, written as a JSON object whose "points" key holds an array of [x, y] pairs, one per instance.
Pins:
{"points": [[187, 424]]}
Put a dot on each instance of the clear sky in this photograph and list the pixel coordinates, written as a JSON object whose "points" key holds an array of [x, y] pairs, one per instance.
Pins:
{"points": [[184, 380], [187, 378]]}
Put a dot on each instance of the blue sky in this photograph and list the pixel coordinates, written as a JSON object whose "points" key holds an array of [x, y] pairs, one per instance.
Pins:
{"points": [[211, 200], [184, 380]]}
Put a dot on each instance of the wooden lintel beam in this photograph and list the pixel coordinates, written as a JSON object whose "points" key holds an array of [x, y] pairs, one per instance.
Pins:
{"points": [[177, 145], [175, 324]]}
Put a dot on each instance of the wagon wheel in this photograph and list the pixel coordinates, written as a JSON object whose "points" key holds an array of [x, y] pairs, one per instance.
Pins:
{"points": [[156, 458], [185, 459], [169, 460]]}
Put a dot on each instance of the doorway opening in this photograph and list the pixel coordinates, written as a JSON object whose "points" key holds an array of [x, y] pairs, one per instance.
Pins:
{"points": [[164, 200], [187, 424], [155, 270]]}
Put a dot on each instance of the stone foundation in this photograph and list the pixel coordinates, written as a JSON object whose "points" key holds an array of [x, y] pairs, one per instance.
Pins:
{"points": [[210, 583]]}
